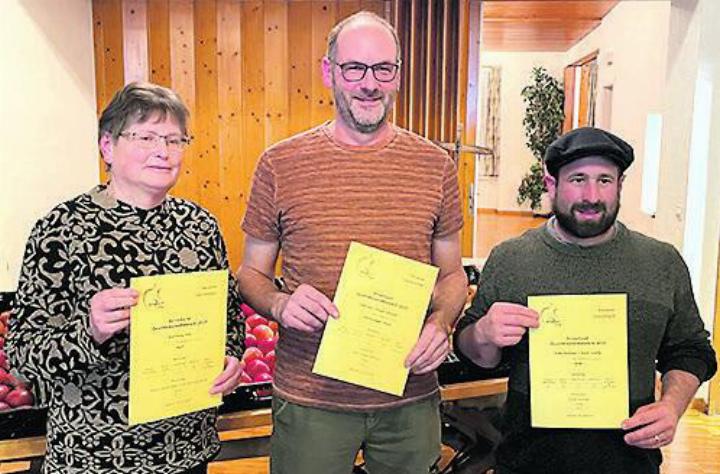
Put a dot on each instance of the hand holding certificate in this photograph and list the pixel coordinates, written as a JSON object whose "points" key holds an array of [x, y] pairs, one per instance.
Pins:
{"points": [[382, 299], [177, 344], [579, 361]]}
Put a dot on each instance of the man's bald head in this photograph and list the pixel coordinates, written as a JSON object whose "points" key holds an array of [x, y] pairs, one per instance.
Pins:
{"points": [[359, 18]]}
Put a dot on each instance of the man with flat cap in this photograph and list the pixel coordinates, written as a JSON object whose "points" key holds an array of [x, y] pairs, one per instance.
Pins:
{"points": [[584, 250]]}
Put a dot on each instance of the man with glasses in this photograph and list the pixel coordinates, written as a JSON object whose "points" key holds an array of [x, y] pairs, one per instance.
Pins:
{"points": [[355, 178]]}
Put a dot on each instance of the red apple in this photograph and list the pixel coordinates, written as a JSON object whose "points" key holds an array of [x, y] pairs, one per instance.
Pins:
{"points": [[270, 360], [255, 320], [274, 326], [247, 310], [251, 353], [257, 366], [6, 378], [250, 340], [263, 332], [4, 390], [245, 378], [262, 377], [19, 396], [266, 345], [4, 406]]}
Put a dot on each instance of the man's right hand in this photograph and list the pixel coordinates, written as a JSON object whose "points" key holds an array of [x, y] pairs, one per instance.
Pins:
{"points": [[505, 324], [306, 309], [110, 312]]}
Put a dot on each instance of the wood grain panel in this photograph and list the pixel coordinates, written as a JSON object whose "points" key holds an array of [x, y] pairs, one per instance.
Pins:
{"points": [[276, 71], [233, 177], [714, 399], [249, 72], [540, 25], [135, 39], [323, 19], [569, 105], [253, 74], [158, 37], [584, 95], [182, 77], [301, 66]]}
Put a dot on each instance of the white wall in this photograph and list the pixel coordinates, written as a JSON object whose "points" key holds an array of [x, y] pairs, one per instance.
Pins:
{"points": [[691, 146], [48, 148], [632, 43], [515, 158]]}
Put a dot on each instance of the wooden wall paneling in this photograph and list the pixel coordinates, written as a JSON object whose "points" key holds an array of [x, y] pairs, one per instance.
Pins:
{"points": [[414, 60], [436, 84], [569, 105], [276, 71], [465, 161], [714, 397], [323, 19], [301, 66], [428, 41], [454, 60], [447, 89], [584, 95], [135, 39], [253, 96], [234, 182], [375, 6], [109, 62], [345, 8], [108, 43], [400, 19], [472, 52], [158, 37], [182, 77]]}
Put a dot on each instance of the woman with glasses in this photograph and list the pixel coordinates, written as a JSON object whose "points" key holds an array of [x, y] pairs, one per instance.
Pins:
{"points": [[69, 333]]}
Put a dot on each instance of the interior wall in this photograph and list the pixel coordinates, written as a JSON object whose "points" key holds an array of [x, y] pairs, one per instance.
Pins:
{"points": [[500, 192], [48, 130], [691, 145], [632, 43]]}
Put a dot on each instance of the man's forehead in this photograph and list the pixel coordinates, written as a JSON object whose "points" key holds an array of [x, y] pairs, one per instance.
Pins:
{"points": [[595, 164], [365, 37]]}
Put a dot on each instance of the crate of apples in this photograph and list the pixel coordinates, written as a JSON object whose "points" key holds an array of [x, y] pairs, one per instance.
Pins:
{"points": [[13, 392], [261, 335]]}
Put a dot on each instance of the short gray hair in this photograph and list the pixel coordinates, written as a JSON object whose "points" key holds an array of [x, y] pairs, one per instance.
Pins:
{"points": [[137, 102], [364, 14]]}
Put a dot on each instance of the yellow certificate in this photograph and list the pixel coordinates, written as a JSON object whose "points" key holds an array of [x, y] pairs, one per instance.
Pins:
{"points": [[382, 299], [579, 361], [177, 344]]}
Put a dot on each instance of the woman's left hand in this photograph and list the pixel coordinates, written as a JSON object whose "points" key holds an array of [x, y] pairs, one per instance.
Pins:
{"points": [[228, 380]]}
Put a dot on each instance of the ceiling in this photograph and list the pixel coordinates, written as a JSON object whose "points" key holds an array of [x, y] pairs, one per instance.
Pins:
{"points": [[539, 25]]}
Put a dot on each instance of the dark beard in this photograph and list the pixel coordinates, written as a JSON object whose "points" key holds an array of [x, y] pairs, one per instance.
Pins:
{"points": [[584, 230]]}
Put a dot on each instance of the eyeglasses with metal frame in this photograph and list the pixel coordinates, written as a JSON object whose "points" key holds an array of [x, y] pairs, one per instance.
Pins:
{"points": [[150, 141]]}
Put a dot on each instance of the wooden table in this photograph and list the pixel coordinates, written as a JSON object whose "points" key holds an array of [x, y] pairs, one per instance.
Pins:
{"points": [[27, 448]]}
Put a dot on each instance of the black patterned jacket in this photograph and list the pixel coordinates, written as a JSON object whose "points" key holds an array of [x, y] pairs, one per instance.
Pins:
{"points": [[82, 246]]}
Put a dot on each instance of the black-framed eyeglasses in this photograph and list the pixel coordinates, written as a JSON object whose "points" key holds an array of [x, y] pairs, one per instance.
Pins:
{"points": [[354, 71], [150, 141]]}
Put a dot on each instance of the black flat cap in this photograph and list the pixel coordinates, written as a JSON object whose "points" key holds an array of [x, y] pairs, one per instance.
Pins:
{"points": [[584, 142]]}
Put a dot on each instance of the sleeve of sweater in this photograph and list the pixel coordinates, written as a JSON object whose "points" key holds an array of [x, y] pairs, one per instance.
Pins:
{"points": [[49, 336], [686, 345], [487, 294]]}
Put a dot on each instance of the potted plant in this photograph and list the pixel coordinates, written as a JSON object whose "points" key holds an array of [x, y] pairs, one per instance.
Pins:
{"points": [[544, 115]]}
